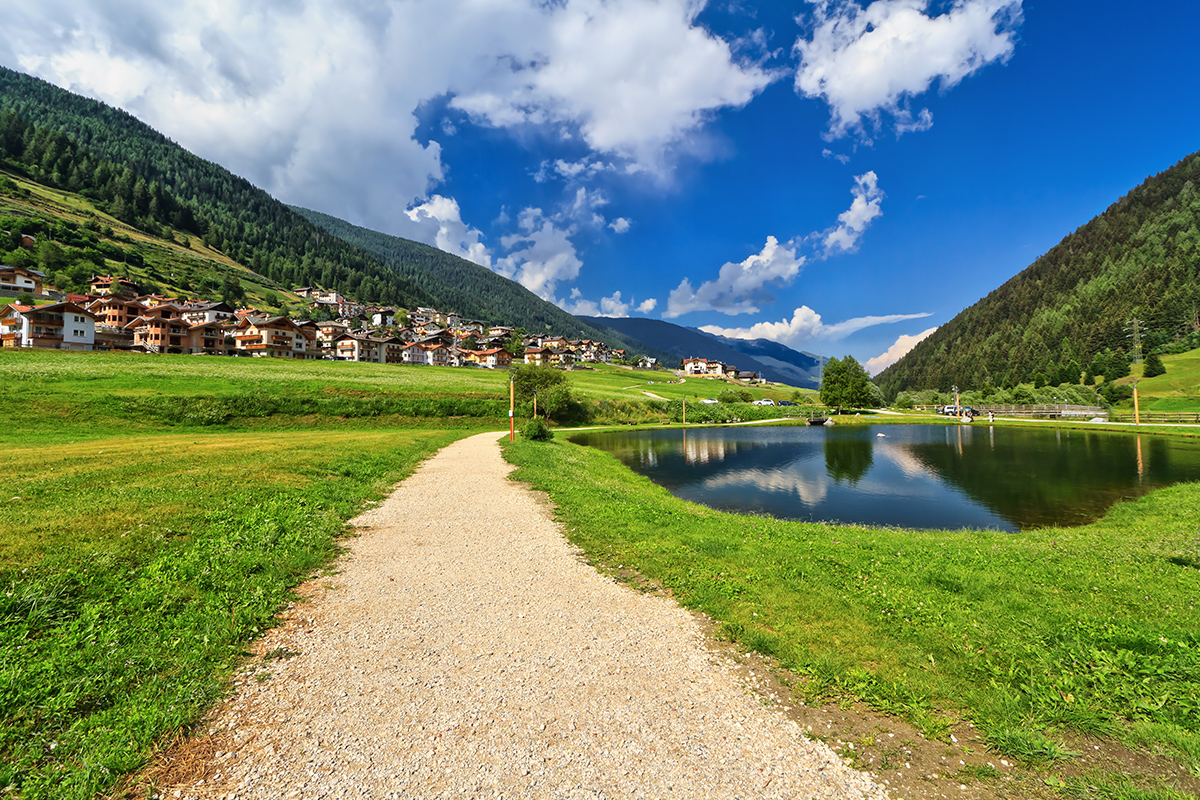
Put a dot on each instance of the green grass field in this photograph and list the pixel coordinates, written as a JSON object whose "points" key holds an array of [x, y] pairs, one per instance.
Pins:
{"points": [[1077, 632], [1177, 390], [157, 511]]}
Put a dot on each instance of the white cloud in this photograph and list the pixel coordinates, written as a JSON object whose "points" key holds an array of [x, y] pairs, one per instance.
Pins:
{"points": [[634, 77], [854, 221], [867, 61], [439, 222], [620, 225], [740, 287], [894, 353], [540, 255], [611, 306], [583, 207], [317, 100], [806, 325]]}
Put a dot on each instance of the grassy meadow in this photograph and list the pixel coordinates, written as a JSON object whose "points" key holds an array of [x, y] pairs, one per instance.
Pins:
{"points": [[1174, 391], [157, 512], [1038, 638]]}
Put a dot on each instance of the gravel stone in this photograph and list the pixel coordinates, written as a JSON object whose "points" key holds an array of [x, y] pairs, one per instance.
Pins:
{"points": [[465, 650]]}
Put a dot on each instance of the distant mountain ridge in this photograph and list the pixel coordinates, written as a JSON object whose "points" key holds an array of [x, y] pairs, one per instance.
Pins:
{"points": [[803, 369], [772, 360]]}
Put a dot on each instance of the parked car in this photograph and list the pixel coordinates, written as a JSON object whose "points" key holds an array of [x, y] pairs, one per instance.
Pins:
{"points": [[709, 401], [785, 403], [766, 401], [952, 411]]}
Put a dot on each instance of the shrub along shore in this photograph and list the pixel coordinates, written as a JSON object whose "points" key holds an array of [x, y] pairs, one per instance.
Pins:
{"points": [[158, 511]]}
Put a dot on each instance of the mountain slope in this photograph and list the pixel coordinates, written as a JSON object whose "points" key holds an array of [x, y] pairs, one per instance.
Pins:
{"points": [[1139, 258], [801, 369], [771, 361], [80, 145], [470, 289]]}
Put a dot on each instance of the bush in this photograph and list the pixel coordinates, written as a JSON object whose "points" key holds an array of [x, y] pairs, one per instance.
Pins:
{"points": [[537, 430]]}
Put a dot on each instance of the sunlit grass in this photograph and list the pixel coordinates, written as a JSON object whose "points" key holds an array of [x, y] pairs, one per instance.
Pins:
{"points": [[136, 568], [1091, 629]]}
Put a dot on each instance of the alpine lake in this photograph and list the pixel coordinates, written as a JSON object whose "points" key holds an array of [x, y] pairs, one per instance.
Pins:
{"points": [[975, 476]]}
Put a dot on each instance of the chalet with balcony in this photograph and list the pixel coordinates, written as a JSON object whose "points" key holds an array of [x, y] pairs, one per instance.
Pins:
{"points": [[538, 356], [114, 311], [195, 313], [359, 347], [58, 326], [18, 280], [492, 358], [271, 337]]}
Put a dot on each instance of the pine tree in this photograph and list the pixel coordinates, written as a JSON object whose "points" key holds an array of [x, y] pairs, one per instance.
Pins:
{"points": [[1153, 366]]}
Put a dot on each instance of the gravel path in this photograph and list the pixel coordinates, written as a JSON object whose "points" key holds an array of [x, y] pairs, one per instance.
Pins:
{"points": [[465, 650]]}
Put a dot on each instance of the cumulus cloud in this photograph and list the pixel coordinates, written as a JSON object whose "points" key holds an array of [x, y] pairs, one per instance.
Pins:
{"points": [[439, 222], [739, 287], [620, 225], [316, 100], [634, 77], [894, 353], [854, 221], [865, 62], [541, 254], [806, 325], [611, 306]]}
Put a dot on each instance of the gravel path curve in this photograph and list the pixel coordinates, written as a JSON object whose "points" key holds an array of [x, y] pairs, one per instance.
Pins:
{"points": [[465, 650]]}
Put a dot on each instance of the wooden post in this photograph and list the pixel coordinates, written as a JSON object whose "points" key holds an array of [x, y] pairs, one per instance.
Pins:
{"points": [[1137, 417], [685, 411], [512, 404]]}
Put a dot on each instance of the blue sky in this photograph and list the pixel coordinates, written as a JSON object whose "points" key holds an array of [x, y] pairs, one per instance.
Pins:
{"points": [[841, 177]]}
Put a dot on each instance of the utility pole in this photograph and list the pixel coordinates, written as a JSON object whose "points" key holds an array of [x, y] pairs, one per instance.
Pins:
{"points": [[1134, 332], [512, 404]]}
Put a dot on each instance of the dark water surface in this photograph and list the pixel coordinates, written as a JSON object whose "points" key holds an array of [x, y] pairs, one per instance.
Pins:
{"points": [[914, 476]]}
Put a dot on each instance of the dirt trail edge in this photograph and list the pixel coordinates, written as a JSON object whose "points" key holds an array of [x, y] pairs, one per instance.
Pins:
{"points": [[465, 649]]}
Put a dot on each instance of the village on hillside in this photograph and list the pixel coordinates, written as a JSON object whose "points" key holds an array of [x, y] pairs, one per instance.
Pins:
{"points": [[114, 315]]}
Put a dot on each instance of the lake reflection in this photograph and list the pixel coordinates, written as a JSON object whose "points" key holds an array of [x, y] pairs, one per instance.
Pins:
{"points": [[915, 476]]}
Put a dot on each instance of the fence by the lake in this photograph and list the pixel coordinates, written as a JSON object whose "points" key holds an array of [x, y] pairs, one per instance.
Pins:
{"points": [[1051, 411]]}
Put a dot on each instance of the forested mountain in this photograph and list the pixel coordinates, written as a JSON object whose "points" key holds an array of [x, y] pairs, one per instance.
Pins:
{"points": [[472, 290], [1069, 312], [772, 360], [141, 177]]}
